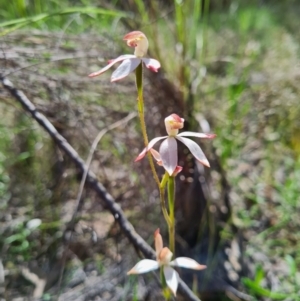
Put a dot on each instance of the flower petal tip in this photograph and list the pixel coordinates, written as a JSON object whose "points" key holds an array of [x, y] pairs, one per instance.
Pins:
{"points": [[202, 267], [206, 163], [138, 158], [153, 69], [94, 74]]}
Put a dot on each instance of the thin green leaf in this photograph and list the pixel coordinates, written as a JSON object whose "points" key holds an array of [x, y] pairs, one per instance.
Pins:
{"points": [[142, 10], [22, 22]]}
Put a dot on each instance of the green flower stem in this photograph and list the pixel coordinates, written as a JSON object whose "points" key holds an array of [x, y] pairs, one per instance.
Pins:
{"points": [[139, 86], [171, 202], [162, 187]]}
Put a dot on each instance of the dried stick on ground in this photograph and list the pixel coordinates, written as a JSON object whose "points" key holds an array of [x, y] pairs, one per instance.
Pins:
{"points": [[112, 206]]}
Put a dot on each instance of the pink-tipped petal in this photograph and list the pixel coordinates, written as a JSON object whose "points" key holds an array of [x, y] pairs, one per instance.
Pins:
{"points": [[125, 68], [111, 63], [149, 146], [172, 279], [168, 153], [144, 266], [177, 170], [195, 150], [156, 156], [188, 263], [158, 243], [199, 135], [151, 64]]}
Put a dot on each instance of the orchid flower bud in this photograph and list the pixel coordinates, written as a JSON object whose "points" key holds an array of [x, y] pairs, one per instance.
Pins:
{"points": [[173, 123], [139, 41]]}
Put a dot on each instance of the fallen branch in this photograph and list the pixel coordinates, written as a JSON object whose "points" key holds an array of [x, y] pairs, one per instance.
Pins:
{"points": [[112, 206]]}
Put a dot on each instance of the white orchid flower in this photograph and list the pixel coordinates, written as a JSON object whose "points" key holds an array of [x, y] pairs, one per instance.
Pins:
{"points": [[163, 259], [168, 154], [130, 62]]}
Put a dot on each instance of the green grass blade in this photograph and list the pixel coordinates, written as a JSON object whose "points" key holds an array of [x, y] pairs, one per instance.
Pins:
{"points": [[142, 10], [194, 40], [21, 22]]}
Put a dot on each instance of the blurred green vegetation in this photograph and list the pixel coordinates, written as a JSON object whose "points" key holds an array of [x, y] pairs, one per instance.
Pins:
{"points": [[235, 64], [55, 15]]}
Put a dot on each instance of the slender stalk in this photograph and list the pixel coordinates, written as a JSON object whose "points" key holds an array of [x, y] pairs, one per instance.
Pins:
{"points": [[171, 201], [139, 86], [162, 187]]}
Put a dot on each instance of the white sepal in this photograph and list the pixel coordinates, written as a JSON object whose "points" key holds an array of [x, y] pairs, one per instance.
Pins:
{"points": [[144, 266], [195, 150], [149, 146], [112, 62], [168, 153], [188, 263], [194, 134], [125, 68], [151, 64], [172, 279]]}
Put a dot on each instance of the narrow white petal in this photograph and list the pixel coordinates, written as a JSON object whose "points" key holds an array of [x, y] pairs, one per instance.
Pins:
{"points": [[169, 155], [149, 146], [151, 64], [172, 279], [194, 134], [125, 68], [144, 266], [111, 63], [188, 263], [195, 150]]}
